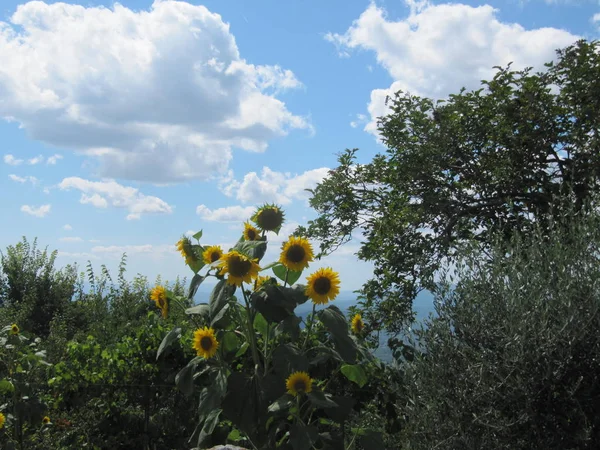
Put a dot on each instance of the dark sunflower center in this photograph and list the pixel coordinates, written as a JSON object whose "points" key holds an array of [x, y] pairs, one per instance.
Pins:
{"points": [[300, 386], [269, 219], [359, 325], [251, 234], [206, 343], [322, 285], [296, 253], [214, 256], [239, 267]]}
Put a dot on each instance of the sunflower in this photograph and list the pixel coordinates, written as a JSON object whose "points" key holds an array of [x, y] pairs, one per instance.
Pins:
{"points": [[46, 420], [260, 281], [240, 268], [2, 420], [159, 295], [269, 218], [299, 383], [323, 286], [357, 324], [296, 253], [205, 342], [212, 254], [184, 245], [14, 328], [250, 233]]}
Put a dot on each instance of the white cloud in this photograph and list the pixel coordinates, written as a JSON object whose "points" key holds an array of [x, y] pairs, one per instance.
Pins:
{"points": [[440, 48], [67, 227], [11, 160], [18, 179], [101, 194], [154, 252], [70, 239], [35, 160], [159, 95], [41, 211], [272, 186], [226, 214], [596, 19], [52, 160], [77, 255]]}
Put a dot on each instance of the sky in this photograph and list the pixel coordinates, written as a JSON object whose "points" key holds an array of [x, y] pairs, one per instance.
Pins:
{"points": [[125, 125]]}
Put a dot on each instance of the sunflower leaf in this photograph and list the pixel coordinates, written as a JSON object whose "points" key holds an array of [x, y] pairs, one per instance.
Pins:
{"points": [[210, 424], [168, 340], [230, 341], [219, 297], [292, 275], [194, 284], [336, 324], [185, 378], [202, 309], [318, 398], [355, 373], [252, 249], [302, 437], [273, 304], [281, 404], [198, 235]]}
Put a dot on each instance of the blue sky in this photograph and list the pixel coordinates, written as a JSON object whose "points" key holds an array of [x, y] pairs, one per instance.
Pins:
{"points": [[125, 125]]}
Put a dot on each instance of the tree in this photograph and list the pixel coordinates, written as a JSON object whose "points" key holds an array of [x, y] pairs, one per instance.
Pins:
{"points": [[497, 159], [512, 360]]}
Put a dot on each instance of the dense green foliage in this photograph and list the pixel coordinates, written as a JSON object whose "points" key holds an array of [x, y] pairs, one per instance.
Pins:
{"points": [[513, 360], [497, 159]]}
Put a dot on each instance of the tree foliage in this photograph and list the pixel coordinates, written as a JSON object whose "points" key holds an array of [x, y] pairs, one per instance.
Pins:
{"points": [[513, 359], [493, 160]]}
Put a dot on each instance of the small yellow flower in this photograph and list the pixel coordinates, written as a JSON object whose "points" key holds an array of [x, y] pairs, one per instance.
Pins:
{"points": [[46, 420], [205, 342], [323, 286], [159, 295], [357, 324], [14, 328], [269, 218], [299, 383], [2, 420], [184, 245], [212, 254], [296, 253], [258, 283], [239, 267], [250, 233]]}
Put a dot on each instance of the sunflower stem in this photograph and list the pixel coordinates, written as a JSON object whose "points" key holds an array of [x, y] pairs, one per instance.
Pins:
{"points": [[310, 324], [251, 333], [287, 271]]}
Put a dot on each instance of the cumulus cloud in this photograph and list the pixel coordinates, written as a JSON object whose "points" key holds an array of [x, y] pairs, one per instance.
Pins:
{"points": [[18, 179], [101, 194], [272, 186], [157, 95], [226, 214], [41, 211], [147, 250], [441, 48], [35, 160], [67, 227], [70, 239], [52, 160], [12, 161]]}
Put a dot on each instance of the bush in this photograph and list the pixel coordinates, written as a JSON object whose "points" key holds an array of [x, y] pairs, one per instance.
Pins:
{"points": [[513, 360]]}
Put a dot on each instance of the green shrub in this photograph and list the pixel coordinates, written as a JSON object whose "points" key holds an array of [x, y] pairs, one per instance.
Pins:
{"points": [[513, 360]]}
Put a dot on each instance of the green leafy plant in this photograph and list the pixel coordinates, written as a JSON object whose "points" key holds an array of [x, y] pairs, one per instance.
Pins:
{"points": [[262, 379]]}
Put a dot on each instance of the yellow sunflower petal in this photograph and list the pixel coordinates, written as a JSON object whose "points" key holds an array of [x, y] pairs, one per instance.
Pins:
{"points": [[239, 268], [296, 253], [269, 218], [14, 329], [212, 254], [250, 233], [2, 420], [323, 286], [299, 383], [357, 324], [205, 342]]}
